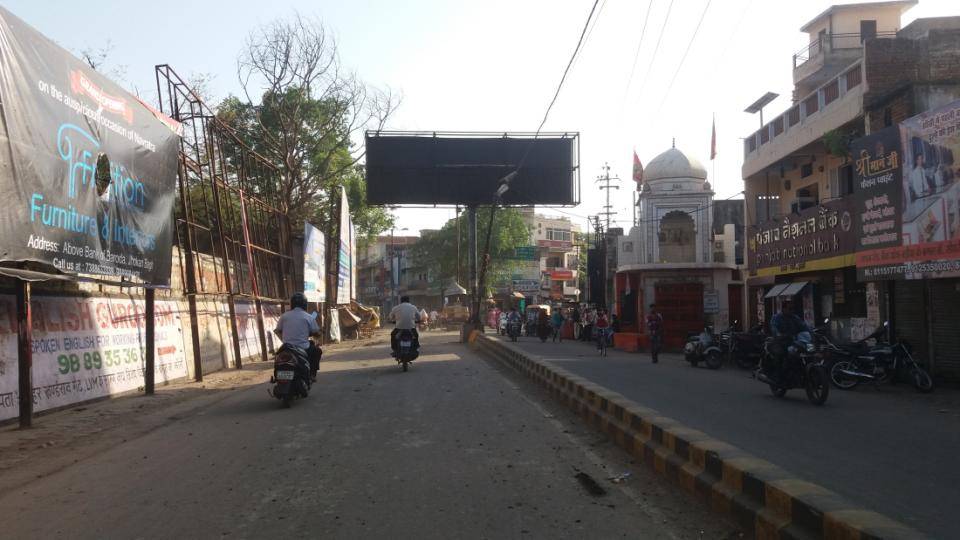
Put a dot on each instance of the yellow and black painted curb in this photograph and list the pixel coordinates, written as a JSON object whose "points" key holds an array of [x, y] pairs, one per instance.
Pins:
{"points": [[764, 499]]}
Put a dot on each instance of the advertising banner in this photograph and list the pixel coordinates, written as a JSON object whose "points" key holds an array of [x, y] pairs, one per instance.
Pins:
{"points": [[526, 285], [345, 256], [86, 348], [314, 264], [924, 199], [88, 171], [247, 329], [800, 241]]}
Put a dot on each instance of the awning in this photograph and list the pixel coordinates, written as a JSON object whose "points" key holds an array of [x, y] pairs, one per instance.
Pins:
{"points": [[518, 295], [776, 290], [794, 288]]}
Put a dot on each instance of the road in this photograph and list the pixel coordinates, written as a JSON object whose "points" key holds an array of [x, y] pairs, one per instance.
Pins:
{"points": [[458, 447], [887, 448]]}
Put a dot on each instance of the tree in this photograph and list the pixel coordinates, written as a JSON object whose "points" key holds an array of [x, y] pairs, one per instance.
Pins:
{"points": [[302, 110], [439, 249]]}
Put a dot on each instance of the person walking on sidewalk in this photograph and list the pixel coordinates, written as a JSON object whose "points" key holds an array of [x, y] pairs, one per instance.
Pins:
{"points": [[556, 321], [655, 329]]}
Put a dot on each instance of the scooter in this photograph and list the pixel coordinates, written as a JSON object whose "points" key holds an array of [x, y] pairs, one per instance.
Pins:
{"points": [[407, 349], [291, 375], [513, 330], [705, 346]]}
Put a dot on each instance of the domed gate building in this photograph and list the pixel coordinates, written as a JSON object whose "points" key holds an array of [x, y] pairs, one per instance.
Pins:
{"points": [[677, 256]]}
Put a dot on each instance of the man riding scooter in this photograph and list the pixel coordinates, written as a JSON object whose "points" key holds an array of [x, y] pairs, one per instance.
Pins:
{"points": [[295, 328], [406, 316]]}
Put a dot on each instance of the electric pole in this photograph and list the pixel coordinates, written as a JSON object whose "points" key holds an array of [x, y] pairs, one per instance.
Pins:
{"points": [[607, 186]]}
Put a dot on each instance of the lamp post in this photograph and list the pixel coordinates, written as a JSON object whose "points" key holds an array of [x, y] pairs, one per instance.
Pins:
{"points": [[395, 281]]}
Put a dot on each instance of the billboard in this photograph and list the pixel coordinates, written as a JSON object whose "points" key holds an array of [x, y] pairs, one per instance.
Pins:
{"points": [[921, 200], [88, 171], [314, 264], [432, 168], [345, 253]]}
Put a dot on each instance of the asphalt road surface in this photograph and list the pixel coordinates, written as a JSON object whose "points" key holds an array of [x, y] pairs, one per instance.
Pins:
{"points": [[458, 447], [886, 448]]}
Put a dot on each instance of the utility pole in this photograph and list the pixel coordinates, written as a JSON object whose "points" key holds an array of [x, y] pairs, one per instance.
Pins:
{"points": [[607, 186]]}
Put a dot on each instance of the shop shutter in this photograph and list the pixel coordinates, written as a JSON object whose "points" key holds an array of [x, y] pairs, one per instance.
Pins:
{"points": [[944, 299], [910, 317]]}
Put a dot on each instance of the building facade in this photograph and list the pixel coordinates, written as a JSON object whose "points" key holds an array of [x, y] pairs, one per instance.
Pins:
{"points": [[808, 222], [549, 272], [674, 256]]}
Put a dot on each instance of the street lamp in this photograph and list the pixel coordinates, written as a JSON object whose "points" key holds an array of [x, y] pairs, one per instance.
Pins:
{"points": [[395, 282]]}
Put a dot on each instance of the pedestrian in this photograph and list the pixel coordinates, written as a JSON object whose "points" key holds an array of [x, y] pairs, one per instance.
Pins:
{"points": [[557, 323], [655, 329], [576, 322]]}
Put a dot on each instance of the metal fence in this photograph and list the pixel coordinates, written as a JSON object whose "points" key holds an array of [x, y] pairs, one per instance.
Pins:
{"points": [[228, 215]]}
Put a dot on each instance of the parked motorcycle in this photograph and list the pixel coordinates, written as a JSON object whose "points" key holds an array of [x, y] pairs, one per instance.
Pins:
{"points": [[746, 348], [704, 347], [407, 348], [513, 330], [794, 363], [853, 363], [291, 375]]}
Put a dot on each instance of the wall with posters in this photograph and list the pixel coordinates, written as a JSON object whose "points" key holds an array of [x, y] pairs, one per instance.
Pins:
{"points": [[314, 264], [87, 348], [345, 256], [918, 195]]}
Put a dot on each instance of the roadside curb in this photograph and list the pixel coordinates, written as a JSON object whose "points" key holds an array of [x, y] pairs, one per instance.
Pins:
{"points": [[765, 500]]}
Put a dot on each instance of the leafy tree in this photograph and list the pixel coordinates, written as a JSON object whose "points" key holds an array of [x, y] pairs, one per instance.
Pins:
{"points": [[302, 110], [438, 249]]}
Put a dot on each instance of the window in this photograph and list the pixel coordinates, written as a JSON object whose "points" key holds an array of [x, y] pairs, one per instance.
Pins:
{"points": [[887, 117], [831, 92], [868, 30], [806, 170], [793, 116], [854, 77], [570, 283], [767, 206], [764, 134], [558, 234], [778, 126], [808, 196], [811, 104], [846, 180]]}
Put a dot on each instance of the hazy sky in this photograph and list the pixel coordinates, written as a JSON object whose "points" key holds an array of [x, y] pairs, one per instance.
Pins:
{"points": [[492, 65]]}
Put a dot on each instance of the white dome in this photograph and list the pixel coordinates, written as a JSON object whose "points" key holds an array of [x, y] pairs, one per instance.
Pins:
{"points": [[674, 165]]}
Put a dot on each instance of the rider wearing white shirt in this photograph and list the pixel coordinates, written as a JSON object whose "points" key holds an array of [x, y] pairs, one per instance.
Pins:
{"points": [[406, 315]]}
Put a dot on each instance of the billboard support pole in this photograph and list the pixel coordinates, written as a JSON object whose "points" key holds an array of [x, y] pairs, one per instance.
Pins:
{"points": [[472, 253], [150, 339], [25, 353]]}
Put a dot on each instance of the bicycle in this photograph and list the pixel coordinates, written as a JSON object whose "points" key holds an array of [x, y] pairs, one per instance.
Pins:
{"points": [[603, 340]]}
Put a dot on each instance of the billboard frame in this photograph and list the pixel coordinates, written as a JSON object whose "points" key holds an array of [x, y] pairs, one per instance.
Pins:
{"points": [[575, 161]]}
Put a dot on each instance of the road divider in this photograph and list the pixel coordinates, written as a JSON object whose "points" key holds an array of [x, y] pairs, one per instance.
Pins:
{"points": [[765, 500]]}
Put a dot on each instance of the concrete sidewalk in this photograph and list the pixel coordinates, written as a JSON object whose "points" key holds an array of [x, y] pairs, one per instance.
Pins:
{"points": [[458, 447], [886, 448]]}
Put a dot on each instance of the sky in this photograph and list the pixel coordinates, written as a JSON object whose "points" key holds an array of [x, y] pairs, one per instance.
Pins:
{"points": [[493, 65]]}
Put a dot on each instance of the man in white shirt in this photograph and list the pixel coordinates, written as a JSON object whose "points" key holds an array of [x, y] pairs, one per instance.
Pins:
{"points": [[406, 315], [295, 328]]}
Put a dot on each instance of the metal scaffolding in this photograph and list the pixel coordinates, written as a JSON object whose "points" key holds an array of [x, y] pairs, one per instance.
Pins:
{"points": [[228, 215]]}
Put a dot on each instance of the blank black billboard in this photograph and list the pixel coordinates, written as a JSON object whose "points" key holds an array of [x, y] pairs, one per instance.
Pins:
{"points": [[466, 170]]}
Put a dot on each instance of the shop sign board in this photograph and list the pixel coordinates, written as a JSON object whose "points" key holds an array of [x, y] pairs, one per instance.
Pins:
{"points": [[793, 243]]}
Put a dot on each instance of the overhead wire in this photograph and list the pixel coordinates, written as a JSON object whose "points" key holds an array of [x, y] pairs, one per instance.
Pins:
{"points": [[636, 56], [683, 58], [656, 49]]}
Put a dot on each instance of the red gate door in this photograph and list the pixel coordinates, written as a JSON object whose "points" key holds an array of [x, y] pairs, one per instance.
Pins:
{"points": [[681, 305]]}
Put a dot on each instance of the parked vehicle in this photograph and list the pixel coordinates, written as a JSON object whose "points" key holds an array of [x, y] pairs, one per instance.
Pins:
{"points": [[502, 324], [407, 348], [794, 363], [513, 330], [746, 348], [704, 347], [291, 375], [853, 363]]}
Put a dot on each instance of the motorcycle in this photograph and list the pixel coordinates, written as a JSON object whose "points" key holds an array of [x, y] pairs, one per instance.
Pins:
{"points": [[796, 363], [407, 349], [705, 346], [746, 348], [858, 362], [291, 375], [513, 330], [543, 331]]}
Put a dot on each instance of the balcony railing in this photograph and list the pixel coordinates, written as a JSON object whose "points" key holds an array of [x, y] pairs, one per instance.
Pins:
{"points": [[810, 106], [834, 42]]}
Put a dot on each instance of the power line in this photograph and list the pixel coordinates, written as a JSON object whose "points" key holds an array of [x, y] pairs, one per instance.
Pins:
{"points": [[656, 49], [596, 20], [684, 57], [636, 55]]}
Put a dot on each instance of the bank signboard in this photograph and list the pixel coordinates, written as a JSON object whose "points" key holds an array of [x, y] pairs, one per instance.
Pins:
{"points": [[910, 202], [816, 238]]}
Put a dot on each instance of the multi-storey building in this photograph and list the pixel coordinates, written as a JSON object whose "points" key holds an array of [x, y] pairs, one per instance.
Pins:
{"points": [[552, 273], [861, 72]]}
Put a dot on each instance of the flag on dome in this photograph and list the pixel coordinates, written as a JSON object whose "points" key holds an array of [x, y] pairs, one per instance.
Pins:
{"points": [[637, 169]]}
